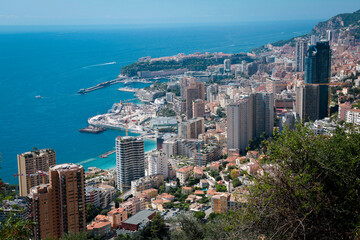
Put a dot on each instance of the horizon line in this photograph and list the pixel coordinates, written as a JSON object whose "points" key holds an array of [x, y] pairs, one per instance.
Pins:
{"points": [[154, 24]]}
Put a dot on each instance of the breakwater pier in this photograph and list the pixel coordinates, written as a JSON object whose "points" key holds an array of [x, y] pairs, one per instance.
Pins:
{"points": [[100, 85], [105, 155]]}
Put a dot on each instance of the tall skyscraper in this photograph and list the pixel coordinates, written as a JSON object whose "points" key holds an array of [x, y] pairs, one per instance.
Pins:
{"points": [[184, 83], [300, 53], [196, 90], [239, 124], [59, 207], [249, 118], [211, 92], [198, 108], [263, 114], [227, 65], [29, 163], [307, 102], [158, 164], [130, 161], [317, 71], [329, 35]]}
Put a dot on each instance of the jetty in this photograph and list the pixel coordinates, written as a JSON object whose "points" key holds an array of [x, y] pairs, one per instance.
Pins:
{"points": [[100, 85], [92, 129], [105, 155], [120, 79]]}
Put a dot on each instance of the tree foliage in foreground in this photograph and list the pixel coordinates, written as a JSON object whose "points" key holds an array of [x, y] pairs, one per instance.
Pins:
{"points": [[74, 236], [16, 228], [311, 191]]}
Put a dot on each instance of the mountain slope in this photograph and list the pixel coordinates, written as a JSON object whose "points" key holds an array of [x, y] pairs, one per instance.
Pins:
{"points": [[345, 20]]}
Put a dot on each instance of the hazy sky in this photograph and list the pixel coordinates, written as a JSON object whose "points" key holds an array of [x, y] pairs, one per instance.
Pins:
{"points": [[63, 12]]}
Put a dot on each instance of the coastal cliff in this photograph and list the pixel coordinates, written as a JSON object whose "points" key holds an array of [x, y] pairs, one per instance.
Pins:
{"points": [[350, 21]]}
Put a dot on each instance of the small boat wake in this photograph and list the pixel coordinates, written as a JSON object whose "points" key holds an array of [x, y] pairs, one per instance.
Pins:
{"points": [[38, 96], [99, 65]]}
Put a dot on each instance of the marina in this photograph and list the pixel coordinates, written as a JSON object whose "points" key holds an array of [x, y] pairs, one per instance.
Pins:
{"points": [[126, 116]]}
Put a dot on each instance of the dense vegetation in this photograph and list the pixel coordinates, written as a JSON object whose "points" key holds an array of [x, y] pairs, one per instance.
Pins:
{"points": [[8, 191], [348, 18], [91, 212], [321, 27], [16, 228], [312, 192], [192, 64]]}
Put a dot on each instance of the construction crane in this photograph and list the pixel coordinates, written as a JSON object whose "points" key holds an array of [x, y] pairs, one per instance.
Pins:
{"points": [[37, 173], [127, 120], [126, 127]]}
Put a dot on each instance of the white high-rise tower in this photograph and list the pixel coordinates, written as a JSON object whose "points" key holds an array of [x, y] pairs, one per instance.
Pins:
{"points": [[130, 161]]}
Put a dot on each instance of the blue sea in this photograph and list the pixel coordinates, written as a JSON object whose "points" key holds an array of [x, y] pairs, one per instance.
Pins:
{"points": [[55, 62]]}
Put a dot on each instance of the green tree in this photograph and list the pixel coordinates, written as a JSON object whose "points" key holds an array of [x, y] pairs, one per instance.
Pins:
{"points": [[157, 227], [91, 212], [220, 112], [74, 236], [104, 211], [311, 189], [189, 228], [204, 200], [236, 182], [213, 216], [169, 205], [234, 173], [220, 188], [16, 228], [199, 215], [162, 188], [117, 202]]}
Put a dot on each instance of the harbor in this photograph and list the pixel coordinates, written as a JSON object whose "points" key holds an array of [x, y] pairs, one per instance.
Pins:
{"points": [[126, 116]]}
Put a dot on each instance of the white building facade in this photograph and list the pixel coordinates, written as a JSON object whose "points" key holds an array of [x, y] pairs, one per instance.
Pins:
{"points": [[158, 164]]}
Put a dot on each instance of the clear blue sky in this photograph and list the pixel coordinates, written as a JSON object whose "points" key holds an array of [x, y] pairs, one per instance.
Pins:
{"points": [[64, 12]]}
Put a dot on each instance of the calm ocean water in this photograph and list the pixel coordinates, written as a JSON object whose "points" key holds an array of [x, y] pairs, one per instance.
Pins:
{"points": [[55, 62]]}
